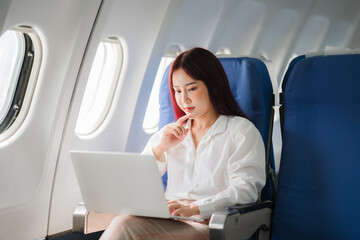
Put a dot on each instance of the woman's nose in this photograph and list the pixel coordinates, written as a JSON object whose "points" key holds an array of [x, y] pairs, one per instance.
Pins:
{"points": [[185, 98]]}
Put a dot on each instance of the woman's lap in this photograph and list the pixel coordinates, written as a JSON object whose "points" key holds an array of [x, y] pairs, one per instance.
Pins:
{"points": [[140, 228]]}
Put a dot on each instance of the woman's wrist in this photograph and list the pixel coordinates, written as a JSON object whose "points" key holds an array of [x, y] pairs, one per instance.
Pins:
{"points": [[195, 209], [159, 152]]}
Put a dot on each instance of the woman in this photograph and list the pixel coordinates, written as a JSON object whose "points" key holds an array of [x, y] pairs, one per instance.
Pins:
{"points": [[214, 156]]}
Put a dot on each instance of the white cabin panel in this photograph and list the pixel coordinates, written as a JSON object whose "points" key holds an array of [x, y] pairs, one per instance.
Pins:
{"points": [[142, 27], [28, 158]]}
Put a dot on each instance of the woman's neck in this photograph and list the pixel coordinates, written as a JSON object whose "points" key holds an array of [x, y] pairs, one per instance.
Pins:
{"points": [[205, 122], [199, 127]]}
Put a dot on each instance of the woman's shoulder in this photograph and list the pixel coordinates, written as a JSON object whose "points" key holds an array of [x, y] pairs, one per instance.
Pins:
{"points": [[239, 121], [240, 125]]}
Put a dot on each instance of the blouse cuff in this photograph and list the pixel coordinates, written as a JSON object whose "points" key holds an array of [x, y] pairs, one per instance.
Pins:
{"points": [[205, 210], [162, 166]]}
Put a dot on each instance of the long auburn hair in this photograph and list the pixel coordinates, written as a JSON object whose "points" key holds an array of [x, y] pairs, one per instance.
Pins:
{"points": [[201, 64]]}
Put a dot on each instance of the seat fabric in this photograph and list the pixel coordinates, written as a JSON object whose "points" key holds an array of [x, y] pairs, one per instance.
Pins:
{"points": [[319, 176], [251, 86]]}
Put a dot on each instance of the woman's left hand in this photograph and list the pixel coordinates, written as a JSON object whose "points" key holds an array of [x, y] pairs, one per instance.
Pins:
{"points": [[183, 207]]}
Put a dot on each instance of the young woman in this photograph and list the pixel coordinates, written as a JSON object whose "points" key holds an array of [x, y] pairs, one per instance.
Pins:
{"points": [[214, 156]]}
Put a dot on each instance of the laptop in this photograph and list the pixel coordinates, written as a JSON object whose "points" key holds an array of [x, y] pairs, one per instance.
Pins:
{"points": [[121, 183]]}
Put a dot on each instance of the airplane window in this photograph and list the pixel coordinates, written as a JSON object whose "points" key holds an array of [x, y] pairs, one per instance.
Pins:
{"points": [[152, 114], [20, 55], [151, 120], [12, 45], [100, 89]]}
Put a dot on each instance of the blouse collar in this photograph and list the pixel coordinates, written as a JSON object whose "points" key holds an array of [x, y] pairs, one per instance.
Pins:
{"points": [[218, 127]]}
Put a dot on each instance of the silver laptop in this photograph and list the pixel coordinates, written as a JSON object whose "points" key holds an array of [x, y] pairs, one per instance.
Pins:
{"points": [[124, 183]]}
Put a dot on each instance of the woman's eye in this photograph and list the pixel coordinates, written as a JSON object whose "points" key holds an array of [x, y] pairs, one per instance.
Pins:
{"points": [[192, 89]]}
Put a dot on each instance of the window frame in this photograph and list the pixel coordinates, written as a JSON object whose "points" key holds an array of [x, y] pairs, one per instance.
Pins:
{"points": [[25, 84], [168, 57], [21, 85], [97, 126]]}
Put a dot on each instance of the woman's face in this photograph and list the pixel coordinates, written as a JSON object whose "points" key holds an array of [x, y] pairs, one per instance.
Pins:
{"points": [[191, 95]]}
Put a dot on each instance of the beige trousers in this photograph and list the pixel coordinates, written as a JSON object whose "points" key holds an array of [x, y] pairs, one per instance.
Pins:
{"points": [[141, 228]]}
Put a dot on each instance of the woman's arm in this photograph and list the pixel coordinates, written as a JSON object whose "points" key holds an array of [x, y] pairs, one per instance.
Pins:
{"points": [[153, 141], [173, 134], [246, 171], [169, 136]]}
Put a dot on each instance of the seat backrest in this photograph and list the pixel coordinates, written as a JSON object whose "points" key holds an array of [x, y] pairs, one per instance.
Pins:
{"points": [[319, 176], [251, 85]]}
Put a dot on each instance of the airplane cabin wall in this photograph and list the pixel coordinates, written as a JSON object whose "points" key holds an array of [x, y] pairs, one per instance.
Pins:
{"points": [[140, 25], [4, 8], [28, 158]]}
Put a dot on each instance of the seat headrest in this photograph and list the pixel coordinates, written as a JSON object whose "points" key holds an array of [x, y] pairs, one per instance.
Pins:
{"points": [[333, 50]]}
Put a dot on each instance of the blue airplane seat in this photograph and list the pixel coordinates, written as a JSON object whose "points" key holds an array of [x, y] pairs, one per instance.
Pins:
{"points": [[166, 111], [319, 177], [251, 85]]}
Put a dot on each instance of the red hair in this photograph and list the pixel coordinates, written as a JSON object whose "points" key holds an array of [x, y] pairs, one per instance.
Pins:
{"points": [[177, 110], [202, 65]]}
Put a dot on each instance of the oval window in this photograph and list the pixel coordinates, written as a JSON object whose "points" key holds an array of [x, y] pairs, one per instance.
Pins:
{"points": [[101, 86], [152, 114], [12, 50], [20, 56]]}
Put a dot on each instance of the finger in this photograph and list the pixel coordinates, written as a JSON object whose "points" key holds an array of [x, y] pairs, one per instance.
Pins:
{"points": [[175, 213], [171, 205], [186, 131], [171, 131], [182, 119], [186, 201], [178, 129], [173, 208], [178, 212], [174, 205], [176, 132], [182, 130]]}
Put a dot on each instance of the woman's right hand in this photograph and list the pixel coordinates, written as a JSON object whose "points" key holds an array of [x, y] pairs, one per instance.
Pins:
{"points": [[174, 133]]}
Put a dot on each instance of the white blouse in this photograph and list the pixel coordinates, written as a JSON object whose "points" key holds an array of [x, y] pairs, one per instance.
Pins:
{"points": [[228, 166]]}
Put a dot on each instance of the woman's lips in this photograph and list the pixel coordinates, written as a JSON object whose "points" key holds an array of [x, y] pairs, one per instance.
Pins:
{"points": [[188, 109]]}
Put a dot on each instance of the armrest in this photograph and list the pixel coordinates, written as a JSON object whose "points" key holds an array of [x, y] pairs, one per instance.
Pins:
{"points": [[241, 221], [237, 222], [244, 208], [79, 218], [86, 222]]}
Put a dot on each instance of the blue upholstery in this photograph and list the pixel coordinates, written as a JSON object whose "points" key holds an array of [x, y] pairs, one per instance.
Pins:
{"points": [[319, 178], [252, 88], [166, 111]]}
